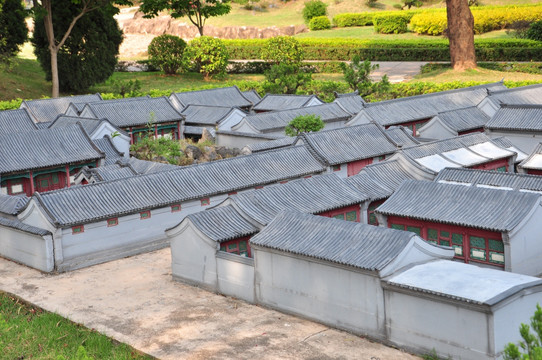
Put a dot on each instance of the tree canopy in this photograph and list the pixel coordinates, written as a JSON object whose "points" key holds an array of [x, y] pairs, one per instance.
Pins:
{"points": [[197, 11], [304, 123], [13, 30]]}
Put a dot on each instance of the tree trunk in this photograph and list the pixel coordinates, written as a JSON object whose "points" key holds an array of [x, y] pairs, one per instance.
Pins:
{"points": [[461, 34], [53, 49]]}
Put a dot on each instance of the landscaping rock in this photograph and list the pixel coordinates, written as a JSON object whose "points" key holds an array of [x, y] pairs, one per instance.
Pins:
{"points": [[193, 152]]}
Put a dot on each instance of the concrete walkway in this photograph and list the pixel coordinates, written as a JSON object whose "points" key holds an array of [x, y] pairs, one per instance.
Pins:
{"points": [[397, 71], [134, 300]]}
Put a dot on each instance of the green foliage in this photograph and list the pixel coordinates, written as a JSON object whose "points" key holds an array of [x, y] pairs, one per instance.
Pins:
{"points": [[209, 55], [304, 123], [166, 52], [149, 148], [13, 30], [366, 18], [391, 24], [285, 79], [314, 8], [197, 11], [126, 88], [282, 50], [408, 4], [535, 31], [371, 3], [531, 344], [521, 67], [320, 23], [356, 74], [89, 54]]}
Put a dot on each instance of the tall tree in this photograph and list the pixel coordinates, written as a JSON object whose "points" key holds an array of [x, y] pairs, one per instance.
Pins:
{"points": [[461, 34], [197, 11], [89, 54], [13, 30], [43, 10]]}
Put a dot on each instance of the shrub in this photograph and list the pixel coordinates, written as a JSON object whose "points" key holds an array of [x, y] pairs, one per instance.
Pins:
{"points": [[356, 75], [166, 52], [209, 55], [349, 20], [320, 23], [535, 31], [391, 24], [304, 123], [12, 27], [371, 3], [282, 50], [429, 23], [314, 8], [285, 78]]}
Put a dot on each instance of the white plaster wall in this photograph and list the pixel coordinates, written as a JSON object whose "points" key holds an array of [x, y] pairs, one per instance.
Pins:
{"points": [[525, 142], [234, 141], [29, 249], [435, 130], [193, 258], [235, 276], [343, 173], [360, 118], [526, 246], [333, 295], [422, 324]]}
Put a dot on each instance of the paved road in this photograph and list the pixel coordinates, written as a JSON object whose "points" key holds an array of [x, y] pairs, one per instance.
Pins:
{"points": [[135, 301], [397, 71]]}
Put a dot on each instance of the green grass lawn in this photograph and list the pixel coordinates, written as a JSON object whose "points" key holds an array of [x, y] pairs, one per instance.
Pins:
{"points": [[28, 332]]}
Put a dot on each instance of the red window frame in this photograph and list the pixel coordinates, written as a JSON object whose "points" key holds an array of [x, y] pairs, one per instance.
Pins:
{"points": [[144, 215], [79, 229], [232, 193], [176, 208], [342, 211], [258, 187], [234, 246], [492, 165], [283, 181], [371, 212], [112, 222], [205, 201]]}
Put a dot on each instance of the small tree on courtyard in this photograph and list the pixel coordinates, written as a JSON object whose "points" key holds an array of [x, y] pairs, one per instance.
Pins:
{"points": [[357, 73], [304, 123]]}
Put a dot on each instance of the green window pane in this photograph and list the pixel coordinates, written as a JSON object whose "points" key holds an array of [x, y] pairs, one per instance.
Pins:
{"points": [[478, 242], [243, 245], [496, 245], [222, 248], [54, 177], [414, 229], [372, 206], [501, 169], [44, 183], [496, 258], [372, 219], [351, 216], [478, 254], [444, 234], [457, 239], [339, 216], [432, 234], [398, 226], [445, 242], [232, 246]]}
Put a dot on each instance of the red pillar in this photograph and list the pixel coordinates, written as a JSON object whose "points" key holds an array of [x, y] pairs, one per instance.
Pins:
{"points": [[31, 183], [68, 176], [131, 135], [155, 131]]}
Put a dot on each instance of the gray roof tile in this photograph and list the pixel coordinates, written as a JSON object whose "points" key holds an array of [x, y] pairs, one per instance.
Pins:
{"points": [[346, 144], [11, 204], [227, 96], [271, 144], [348, 243], [147, 167], [314, 195], [250, 135], [491, 178], [502, 210], [44, 110], [112, 154], [274, 120], [401, 136], [534, 160], [89, 203], [222, 223], [16, 121], [273, 102], [353, 103], [45, 148], [517, 117], [252, 96], [205, 114], [531, 94], [464, 119], [16, 224]]}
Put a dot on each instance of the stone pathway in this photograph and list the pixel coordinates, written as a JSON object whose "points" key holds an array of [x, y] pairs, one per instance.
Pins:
{"points": [[135, 300]]}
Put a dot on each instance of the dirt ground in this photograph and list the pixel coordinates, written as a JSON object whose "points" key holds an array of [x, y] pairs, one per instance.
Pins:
{"points": [[136, 301]]}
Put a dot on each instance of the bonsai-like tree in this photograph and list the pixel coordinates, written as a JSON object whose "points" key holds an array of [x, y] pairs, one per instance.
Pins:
{"points": [[356, 74], [531, 342], [304, 123]]}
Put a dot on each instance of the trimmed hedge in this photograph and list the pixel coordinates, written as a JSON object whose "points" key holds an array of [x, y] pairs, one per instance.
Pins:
{"points": [[366, 18], [395, 50], [391, 24], [319, 23]]}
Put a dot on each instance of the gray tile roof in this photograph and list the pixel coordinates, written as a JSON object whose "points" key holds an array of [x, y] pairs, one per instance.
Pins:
{"points": [[44, 125], [252, 96], [314, 195], [348, 243], [112, 154], [346, 144], [110, 172], [534, 160], [440, 146], [196, 130], [16, 121], [401, 136], [352, 102], [531, 94], [517, 118], [227, 96], [222, 223], [11, 204], [249, 135], [491, 178], [16, 224], [133, 111], [464, 119], [89, 124], [505, 143], [271, 144], [205, 114], [502, 210], [146, 167], [43, 110], [380, 180], [272, 102], [90, 203], [45, 148], [392, 112], [275, 120]]}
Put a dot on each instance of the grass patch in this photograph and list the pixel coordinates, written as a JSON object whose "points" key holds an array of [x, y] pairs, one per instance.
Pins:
{"points": [[444, 73], [24, 79], [27, 331]]}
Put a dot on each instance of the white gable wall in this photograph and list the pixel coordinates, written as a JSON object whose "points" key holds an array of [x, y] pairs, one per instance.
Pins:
{"points": [[526, 141], [435, 129], [232, 119], [26, 248], [121, 142], [525, 246]]}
